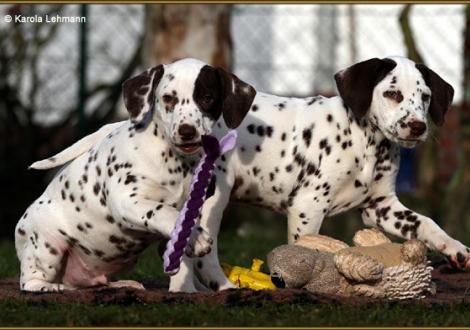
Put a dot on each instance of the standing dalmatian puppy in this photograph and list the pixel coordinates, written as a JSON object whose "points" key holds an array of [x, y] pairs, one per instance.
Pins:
{"points": [[124, 184], [317, 157]]}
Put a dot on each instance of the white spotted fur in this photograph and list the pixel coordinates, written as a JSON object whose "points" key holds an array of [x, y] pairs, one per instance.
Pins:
{"points": [[341, 169], [89, 224]]}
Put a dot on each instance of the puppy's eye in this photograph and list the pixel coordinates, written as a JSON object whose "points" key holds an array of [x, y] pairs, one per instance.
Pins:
{"points": [[207, 99], [425, 97], [390, 94], [168, 98], [394, 95]]}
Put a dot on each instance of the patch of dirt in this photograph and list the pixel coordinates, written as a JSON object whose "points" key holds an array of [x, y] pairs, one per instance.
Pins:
{"points": [[452, 287]]}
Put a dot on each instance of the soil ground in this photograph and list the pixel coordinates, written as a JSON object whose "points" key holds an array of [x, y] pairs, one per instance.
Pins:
{"points": [[453, 287]]}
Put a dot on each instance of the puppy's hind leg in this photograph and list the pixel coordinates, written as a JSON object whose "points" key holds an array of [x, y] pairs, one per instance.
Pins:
{"points": [[40, 269]]}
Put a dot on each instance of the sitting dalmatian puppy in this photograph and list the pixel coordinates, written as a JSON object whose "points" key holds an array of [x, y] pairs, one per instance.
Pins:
{"points": [[124, 184], [311, 158]]}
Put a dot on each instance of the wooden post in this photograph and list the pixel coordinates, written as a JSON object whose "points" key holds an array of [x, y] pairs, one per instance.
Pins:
{"points": [[179, 31]]}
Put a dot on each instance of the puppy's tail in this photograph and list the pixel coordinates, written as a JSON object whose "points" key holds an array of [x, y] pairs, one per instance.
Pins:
{"points": [[76, 149]]}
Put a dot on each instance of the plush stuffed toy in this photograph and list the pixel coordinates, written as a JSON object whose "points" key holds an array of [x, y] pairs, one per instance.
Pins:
{"points": [[375, 267]]}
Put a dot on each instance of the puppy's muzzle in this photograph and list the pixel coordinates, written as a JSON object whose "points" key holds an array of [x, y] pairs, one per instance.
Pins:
{"points": [[187, 132], [189, 137], [417, 128]]}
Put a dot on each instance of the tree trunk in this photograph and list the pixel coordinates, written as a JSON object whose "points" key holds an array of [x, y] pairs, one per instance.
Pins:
{"points": [[179, 31], [327, 39], [428, 153], [411, 48], [458, 194], [352, 35]]}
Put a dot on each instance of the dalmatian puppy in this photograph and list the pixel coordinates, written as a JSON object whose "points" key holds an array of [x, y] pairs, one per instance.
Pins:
{"points": [[123, 185], [311, 158]]}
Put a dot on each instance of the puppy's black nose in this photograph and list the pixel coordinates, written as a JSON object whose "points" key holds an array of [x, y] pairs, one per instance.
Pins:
{"points": [[187, 132], [417, 128], [278, 281]]}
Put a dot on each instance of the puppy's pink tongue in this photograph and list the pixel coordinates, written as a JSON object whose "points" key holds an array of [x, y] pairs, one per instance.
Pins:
{"points": [[189, 148]]}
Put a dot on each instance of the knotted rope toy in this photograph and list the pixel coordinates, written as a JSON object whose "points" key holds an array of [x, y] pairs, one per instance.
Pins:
{"points": [[191, 210]]}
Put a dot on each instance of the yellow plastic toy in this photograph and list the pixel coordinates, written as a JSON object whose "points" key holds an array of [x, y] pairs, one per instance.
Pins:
{"points": [[249, 278]]}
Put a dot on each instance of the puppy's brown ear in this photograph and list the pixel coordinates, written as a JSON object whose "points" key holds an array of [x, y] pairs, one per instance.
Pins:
{"points": [[356, 83], [442, 94], [237, 97], [139, 93]]}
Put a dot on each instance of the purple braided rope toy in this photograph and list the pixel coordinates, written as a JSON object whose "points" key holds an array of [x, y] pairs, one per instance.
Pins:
{"points": [[191, 210]]}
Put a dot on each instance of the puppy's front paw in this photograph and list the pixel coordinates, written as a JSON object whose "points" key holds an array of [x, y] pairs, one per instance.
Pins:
{"points": [[200, 243], [457, 253]]}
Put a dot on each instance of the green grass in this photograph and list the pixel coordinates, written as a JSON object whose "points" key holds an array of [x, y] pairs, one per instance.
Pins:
{"points": [[9, 264], [268, 314], [253, 240]]}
